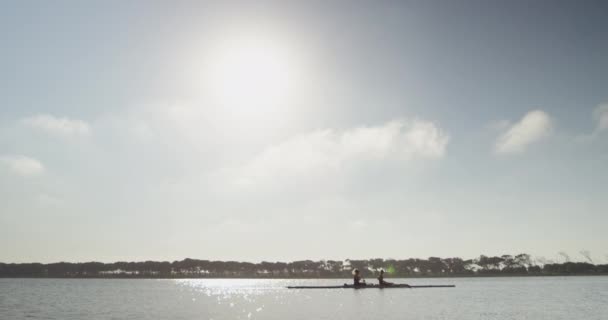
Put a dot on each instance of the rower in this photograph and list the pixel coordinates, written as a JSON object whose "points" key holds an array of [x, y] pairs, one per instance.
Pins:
{"points": [[381, 279], [358, 280]]}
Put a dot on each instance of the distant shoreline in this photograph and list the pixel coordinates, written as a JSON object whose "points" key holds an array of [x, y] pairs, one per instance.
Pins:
{"points": [[311, 278], [521, 265]]}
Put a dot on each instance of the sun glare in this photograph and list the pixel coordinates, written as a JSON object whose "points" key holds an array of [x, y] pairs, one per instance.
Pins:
{"points": [[249, 75]]}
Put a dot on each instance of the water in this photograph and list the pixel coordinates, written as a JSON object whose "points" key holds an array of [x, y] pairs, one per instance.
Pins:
{"points": [[473, 298]]}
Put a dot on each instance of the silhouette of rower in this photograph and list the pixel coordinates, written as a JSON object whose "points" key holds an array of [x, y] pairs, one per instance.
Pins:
{"points": [[381, 280], [357, 279]]}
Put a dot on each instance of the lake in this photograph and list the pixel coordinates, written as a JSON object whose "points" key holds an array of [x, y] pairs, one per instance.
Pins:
{"points": [[473, 298]]}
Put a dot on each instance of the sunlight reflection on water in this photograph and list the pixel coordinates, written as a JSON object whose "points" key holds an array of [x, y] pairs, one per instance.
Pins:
{"points": [[237, 294], [473, 298]]}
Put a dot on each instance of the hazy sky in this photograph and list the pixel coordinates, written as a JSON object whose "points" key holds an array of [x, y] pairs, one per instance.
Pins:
{"points": [[133, 130]]}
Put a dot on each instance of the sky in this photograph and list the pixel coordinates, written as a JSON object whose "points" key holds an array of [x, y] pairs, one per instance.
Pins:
{"points": [[280, 131]]}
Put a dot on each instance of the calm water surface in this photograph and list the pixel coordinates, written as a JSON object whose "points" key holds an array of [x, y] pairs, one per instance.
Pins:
{"points": [[473, 298]]}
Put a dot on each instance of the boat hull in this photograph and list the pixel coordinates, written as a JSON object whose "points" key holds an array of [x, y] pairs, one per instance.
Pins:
{"points": [[372, 286]]}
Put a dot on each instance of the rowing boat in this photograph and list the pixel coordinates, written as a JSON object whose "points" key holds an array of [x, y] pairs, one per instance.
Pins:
{"points": [[371, 286]]}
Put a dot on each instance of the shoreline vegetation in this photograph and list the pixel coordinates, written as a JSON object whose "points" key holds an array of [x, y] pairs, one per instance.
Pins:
{"points": [[433, 267]]}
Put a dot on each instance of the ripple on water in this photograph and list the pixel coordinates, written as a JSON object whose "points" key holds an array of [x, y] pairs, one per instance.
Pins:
{"points": [[487, 298]]}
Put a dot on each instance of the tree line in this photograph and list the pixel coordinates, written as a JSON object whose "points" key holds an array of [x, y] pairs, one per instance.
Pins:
{"points": [[521, 264]]}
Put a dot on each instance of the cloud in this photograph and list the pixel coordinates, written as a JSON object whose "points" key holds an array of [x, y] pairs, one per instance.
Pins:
{"points": [[533, 127], [329, 150], [55, 125], [601, 116], [22, 165]]}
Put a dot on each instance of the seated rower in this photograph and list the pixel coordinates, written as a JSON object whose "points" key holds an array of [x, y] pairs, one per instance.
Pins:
{"points": [[381, 280], [358, 280]]}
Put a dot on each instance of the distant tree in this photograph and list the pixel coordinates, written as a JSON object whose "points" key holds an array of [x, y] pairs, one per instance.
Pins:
{"points": [[523, 260], [433, 266]]}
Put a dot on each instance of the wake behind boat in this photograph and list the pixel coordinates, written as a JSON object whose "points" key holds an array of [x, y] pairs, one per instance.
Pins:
{"points": [[372, 286]]}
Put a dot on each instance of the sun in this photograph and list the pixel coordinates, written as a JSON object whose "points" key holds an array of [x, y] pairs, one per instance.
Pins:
{"points": [[249, 75]]}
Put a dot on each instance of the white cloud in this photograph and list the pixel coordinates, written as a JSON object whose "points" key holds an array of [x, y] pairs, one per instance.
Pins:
{"points": [[601, 116], [22, 165], [533, 127], [320, 151], [56, 125]]}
